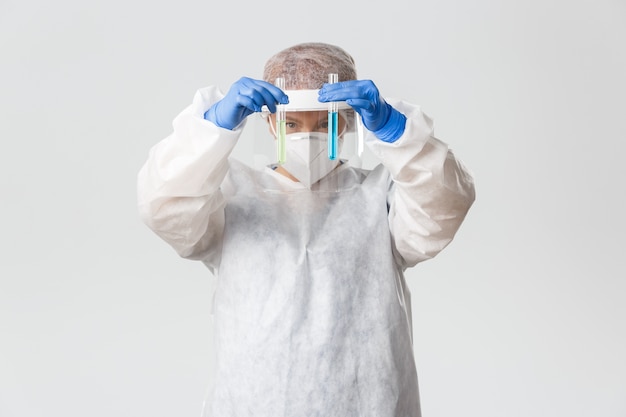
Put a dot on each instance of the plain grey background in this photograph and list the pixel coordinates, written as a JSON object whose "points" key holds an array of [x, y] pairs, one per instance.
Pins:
{"points": [[522, 315]]}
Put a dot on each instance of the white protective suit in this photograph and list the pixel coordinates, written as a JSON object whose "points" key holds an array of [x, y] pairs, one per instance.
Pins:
{"points": [[311, 309]]}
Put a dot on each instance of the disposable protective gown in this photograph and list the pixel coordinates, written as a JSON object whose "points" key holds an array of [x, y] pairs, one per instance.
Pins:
{"points": [[311, 309]]}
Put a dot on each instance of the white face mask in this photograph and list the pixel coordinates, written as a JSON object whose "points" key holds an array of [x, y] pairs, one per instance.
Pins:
{"points": [[307, 156]]}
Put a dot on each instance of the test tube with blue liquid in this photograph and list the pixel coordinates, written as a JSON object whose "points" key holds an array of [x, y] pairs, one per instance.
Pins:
{"points": [[281, 126], [333, 108]]}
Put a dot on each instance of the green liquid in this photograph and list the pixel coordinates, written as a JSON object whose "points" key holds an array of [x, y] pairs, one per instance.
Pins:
{"points": [[281, 128]]}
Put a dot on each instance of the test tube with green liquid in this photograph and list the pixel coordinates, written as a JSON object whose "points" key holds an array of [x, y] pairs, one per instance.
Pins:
{"points": [[332, 122], [281, 126]]}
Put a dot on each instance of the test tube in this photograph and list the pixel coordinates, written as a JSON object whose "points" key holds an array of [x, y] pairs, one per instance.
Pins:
{"points": [[281, 126], [332, 122]]}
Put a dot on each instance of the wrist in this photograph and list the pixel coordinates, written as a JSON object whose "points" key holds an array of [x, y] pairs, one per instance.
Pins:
{"points": [[210, 115], [393, 128]]}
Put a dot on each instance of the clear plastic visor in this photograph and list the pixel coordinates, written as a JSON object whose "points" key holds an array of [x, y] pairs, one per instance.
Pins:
{"points": [[305, 141]]}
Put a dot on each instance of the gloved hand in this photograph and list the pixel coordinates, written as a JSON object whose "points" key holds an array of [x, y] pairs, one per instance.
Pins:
{"points": [[244, 97], [378, 116]]}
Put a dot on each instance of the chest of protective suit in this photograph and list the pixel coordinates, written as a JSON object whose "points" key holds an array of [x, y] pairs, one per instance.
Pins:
{"points": [[279, 229]]}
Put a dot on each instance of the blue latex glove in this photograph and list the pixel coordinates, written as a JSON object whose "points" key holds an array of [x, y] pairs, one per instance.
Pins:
{"points": [[244, 97], [378, 116]]}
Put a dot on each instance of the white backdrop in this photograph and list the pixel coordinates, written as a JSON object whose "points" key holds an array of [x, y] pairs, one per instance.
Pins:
{"points": [[522, 315]]}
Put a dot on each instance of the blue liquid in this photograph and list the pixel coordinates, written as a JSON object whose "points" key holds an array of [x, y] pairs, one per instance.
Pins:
{"points": [[332, 135]]}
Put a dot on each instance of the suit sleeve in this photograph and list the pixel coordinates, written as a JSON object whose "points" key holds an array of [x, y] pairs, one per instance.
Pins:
{"points": [[431, 191], [178, 187]]}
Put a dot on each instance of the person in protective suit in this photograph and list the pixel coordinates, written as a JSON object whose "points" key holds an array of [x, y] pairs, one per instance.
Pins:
{"points": [[312, 314]]}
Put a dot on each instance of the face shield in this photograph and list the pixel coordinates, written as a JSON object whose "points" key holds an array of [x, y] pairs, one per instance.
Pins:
{"points": [[307, 143]]}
